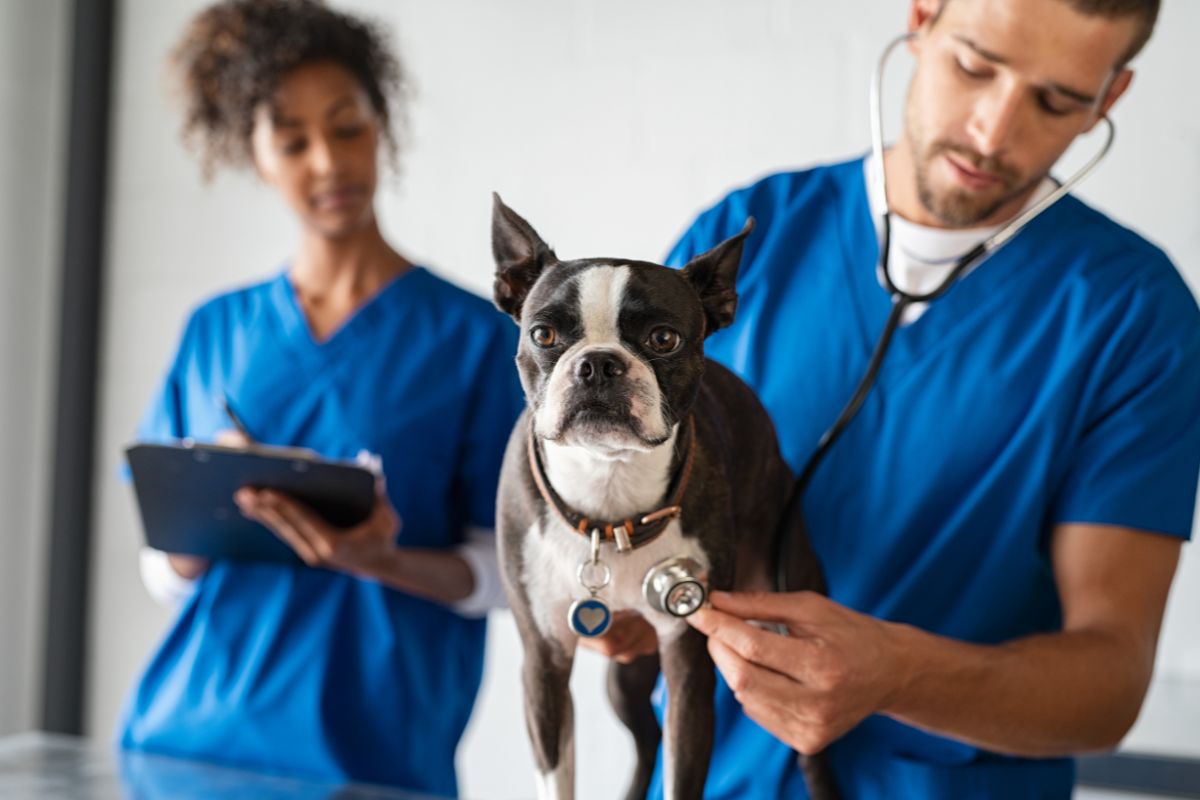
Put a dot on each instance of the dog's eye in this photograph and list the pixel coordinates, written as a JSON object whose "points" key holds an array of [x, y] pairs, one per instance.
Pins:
{"points": [[663, 340], [544, 336]]}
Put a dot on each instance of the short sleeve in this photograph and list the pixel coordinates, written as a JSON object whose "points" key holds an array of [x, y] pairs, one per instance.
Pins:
{"points": [[163, 418], [163, 421], [1137, 459], [497, 400]]}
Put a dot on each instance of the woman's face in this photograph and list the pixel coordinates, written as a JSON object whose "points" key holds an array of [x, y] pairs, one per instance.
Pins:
{"points": [[317, 143]]}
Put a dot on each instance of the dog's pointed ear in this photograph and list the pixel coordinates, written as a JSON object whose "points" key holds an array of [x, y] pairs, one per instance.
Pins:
{"points": [[520, 255], [714, 277]]}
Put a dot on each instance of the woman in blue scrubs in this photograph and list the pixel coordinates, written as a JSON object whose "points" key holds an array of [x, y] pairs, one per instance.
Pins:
{"points": [[362, 663]]}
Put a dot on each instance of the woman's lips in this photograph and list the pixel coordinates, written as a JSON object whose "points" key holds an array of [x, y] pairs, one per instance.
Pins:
{"points": [[338, 199]]}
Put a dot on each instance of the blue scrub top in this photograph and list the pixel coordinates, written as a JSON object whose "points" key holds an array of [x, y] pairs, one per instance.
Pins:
{"points": [[1057, 382], [314, 672]]}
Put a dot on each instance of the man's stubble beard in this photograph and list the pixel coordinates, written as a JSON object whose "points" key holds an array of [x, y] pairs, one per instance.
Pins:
{"points": [[960, 208]]}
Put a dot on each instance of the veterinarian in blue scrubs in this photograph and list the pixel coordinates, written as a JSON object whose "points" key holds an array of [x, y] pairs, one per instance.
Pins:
{"points": [[1000, 523], [362, 664]]}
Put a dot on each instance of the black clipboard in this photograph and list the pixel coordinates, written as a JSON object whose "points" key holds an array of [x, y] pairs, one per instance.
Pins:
{"points": [[185, 495]]}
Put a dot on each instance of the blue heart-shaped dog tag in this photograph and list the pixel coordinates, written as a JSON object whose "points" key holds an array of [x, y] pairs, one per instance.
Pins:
{"points": [[589, 617]]}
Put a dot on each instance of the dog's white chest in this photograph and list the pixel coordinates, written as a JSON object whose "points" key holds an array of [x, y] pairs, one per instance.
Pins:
{"points": [[553, 554]]}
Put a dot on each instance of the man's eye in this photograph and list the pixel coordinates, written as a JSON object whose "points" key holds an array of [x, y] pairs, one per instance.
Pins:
{"points": [[1056, 106], [544, 336], [969, 70], [664, 340]]}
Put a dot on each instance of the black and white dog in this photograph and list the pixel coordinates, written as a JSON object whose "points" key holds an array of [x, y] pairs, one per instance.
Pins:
{"points": [[636, 457]]}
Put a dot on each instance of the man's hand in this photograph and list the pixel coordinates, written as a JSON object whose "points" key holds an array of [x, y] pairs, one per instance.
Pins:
{"points": [[628, 638], [837, 666], [367, 549]]}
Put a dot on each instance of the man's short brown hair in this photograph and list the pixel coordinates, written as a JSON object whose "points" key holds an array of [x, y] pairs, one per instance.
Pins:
{"points": [[1146, 10]]}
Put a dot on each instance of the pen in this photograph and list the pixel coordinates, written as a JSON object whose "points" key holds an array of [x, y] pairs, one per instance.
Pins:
{"points": [[237, 422]]}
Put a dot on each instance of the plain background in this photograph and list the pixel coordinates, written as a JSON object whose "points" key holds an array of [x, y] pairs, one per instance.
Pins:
{"points": [[609, 125], [33, 52]]}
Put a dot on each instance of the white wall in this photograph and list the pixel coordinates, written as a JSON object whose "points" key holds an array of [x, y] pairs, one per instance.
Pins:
{"points": [[32, 106], [608, 124]]}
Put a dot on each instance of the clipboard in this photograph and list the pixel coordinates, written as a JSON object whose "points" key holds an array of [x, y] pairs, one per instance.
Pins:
{"points": [[185, 495]]}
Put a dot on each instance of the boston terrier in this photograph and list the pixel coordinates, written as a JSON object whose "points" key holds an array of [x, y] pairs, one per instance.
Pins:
{"points": [[640, 475]]}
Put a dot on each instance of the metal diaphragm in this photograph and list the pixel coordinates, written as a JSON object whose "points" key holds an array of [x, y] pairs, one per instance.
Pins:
{"points": [[677, 586]]}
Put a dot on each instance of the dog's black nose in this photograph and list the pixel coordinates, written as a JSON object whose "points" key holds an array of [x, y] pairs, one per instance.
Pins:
{"points": [[598, 368]]}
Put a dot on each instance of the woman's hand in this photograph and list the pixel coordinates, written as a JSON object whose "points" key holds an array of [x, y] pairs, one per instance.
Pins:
{"points": [[367, 549], [629, 637], [188, 567], [228, 438]]}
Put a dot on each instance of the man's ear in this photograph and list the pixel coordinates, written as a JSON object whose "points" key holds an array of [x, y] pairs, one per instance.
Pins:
{"points": [[714, 277], [923, 12], [1116, 87], [520, 255], [922, 15]]}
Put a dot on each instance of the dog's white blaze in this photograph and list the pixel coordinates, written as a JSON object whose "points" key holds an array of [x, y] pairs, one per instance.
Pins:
{"points": [[601, 292]]}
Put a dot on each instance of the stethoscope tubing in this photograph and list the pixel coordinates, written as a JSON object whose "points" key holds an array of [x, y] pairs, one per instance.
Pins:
{"points": [[902, 300]]}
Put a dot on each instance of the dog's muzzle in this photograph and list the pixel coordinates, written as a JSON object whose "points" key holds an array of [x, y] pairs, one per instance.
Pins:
{"points": [[677, 586]]}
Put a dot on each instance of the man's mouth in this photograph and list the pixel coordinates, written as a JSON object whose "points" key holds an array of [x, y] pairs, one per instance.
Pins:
{"points": [[972, 177]]}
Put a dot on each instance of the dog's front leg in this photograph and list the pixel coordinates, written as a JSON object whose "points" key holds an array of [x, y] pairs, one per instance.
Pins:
{"points": [[688, 732], [550, 717], [629, 689]]}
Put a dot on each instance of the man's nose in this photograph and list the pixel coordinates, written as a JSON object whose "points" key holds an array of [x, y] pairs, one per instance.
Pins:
{"points": [[994, 120], [598, 368]]}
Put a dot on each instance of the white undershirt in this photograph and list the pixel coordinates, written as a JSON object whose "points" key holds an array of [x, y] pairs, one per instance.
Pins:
{"points": [[170, 589], [921, 257]]}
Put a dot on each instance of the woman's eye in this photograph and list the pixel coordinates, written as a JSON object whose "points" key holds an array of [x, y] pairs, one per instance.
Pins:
{"points": [[663, 340], [543, 336], [294, 147], [348, 131]]}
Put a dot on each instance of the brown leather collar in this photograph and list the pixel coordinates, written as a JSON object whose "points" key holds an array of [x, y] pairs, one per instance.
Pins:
{"points": [[627, 533]]}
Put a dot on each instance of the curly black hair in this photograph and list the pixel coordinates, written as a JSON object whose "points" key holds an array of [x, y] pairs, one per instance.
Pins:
{"points": [[234, 54]]}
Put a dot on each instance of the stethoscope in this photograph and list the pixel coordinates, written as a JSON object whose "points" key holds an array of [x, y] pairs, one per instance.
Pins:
{"points": [[902, 300]]}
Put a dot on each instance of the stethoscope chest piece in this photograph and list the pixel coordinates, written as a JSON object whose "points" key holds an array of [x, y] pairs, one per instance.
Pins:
{"points": [[677, 586]]}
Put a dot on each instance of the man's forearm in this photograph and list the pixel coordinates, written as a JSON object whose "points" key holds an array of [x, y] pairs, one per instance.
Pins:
{"points": [[1045, 695]]}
